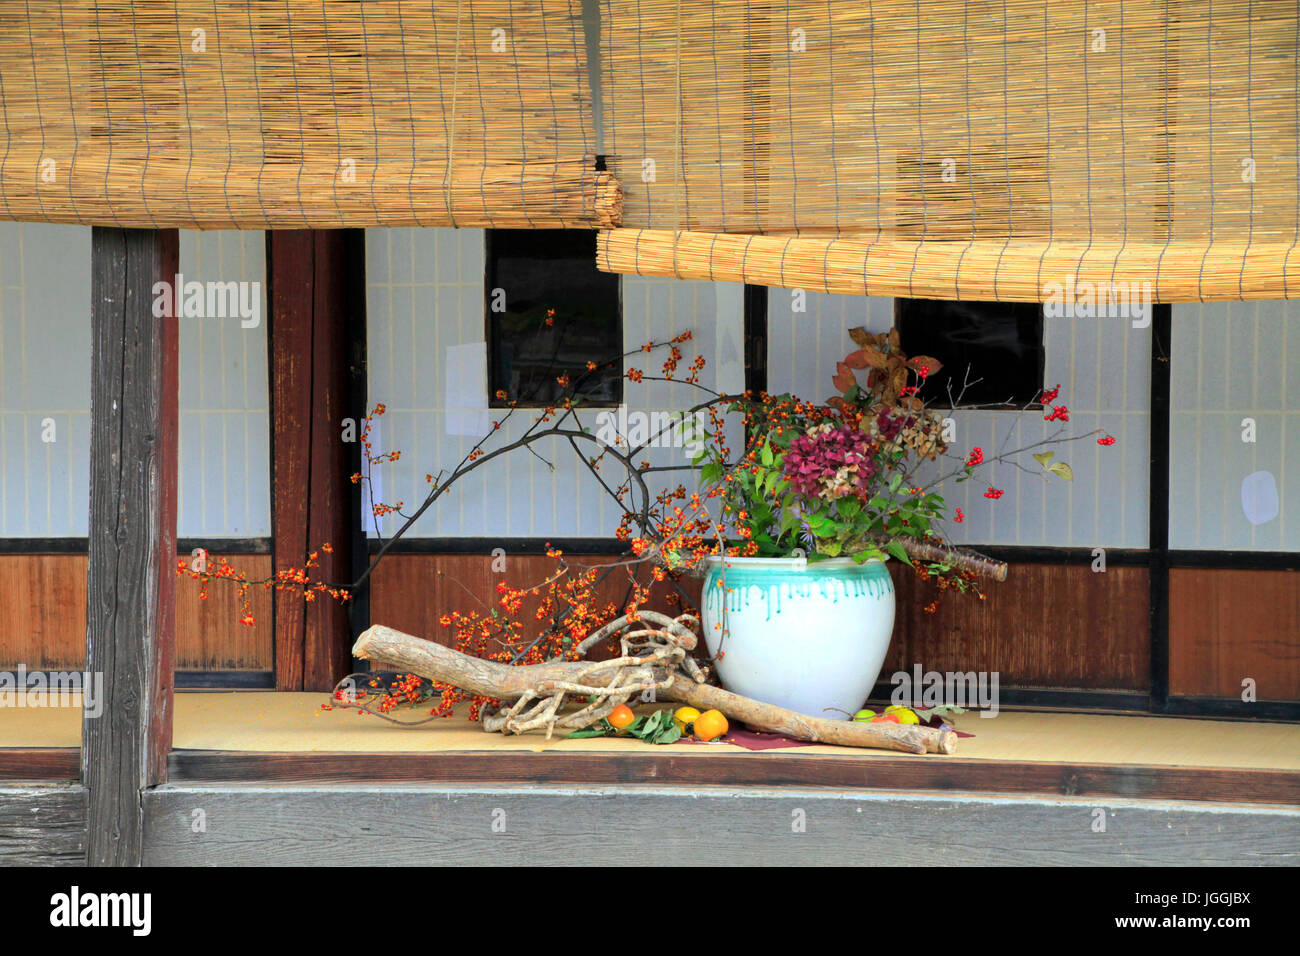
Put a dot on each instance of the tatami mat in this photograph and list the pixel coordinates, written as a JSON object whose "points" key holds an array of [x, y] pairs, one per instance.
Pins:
{"points": [[280, 722]]}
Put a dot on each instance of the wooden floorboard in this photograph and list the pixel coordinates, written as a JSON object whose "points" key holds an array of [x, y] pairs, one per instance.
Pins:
{"points": [[43, 826], [926, 774], [332, 825]]}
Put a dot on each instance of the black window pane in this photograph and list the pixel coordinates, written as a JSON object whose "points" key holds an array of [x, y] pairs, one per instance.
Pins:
{"points": [[992, 352], [528, 272]]}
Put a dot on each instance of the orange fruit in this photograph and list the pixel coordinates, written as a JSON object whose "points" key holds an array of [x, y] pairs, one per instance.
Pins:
{"points": [[710, 725], [621, 716], [885, 719], [683, 717], [905, 715]]}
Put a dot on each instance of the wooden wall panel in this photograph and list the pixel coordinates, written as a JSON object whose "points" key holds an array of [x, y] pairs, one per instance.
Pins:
{"points": [[1047, 625], [208, 633], [1225, 626], [410, 594], [43, 607]]}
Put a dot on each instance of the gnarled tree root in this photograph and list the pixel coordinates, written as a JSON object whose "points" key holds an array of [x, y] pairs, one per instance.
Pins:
{"points": [[530, 682]]}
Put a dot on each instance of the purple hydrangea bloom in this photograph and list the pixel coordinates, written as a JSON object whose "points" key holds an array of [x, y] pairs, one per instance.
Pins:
{"points": [[830, 461]]}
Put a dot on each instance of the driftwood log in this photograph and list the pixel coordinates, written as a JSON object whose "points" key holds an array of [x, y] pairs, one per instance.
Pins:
{"points": [[653, 659]]}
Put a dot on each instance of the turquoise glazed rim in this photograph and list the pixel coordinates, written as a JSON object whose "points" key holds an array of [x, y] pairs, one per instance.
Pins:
{"points": [[794, 577], [764, 570]]}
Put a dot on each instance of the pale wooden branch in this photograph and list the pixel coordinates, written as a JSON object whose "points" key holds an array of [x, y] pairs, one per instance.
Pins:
{"points": [[961, 558], [620, 679]]}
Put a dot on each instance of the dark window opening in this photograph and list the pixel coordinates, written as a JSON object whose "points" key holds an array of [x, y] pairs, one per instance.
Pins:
{"points": [[530, 271], [992, 352]]}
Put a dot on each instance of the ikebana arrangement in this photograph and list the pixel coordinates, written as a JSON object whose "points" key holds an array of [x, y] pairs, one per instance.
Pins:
{"points": [[791, 534]]}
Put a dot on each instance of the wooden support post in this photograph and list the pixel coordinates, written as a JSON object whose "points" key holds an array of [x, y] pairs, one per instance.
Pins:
{"points": [[317, 283], [131, 585]]}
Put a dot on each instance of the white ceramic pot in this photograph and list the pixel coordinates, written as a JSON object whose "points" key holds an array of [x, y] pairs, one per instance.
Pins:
{"points": [[810, 637]]}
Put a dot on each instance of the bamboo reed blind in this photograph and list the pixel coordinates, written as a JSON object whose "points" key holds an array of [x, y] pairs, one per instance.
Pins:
{"points": [[299, 113], [958, 149]]}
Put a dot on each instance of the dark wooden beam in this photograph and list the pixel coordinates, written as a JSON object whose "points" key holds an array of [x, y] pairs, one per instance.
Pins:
{"points": [[755, 299], [686, 771], [40, 763], [317, 283], [1158, 507], [131, 584]]}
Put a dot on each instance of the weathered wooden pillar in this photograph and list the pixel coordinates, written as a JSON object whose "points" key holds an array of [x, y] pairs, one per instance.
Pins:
{"points": [[316, 336], [131, 587]]}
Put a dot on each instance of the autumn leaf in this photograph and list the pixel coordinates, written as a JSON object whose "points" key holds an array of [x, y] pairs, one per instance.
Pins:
{"points": [[927, 362], [1062, 469], [873, 357], [844, 378], [856, 359], [861, 337]]}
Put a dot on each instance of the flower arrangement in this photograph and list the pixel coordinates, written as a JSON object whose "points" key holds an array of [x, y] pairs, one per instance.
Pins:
{"points": [[856, 476], [845, 479]]}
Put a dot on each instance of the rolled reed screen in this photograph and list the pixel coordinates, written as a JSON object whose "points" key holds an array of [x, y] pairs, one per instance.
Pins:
{"points": [[302, 113], [1135, 125], [983, 269]]}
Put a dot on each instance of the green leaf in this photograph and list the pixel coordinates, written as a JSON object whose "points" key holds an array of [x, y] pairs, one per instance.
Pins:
{"points": [[895, 481], [1062, 469], [1043, 457], [765, 456], [668, 735], [656, 728], [830, 548], [896, 550], [600, 728]]}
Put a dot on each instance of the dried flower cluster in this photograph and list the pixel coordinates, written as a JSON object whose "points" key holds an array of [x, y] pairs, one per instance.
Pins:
{"points": [[830, 461]]}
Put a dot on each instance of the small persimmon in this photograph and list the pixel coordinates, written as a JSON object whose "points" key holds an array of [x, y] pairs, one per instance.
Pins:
{"points": [[620, 716], [710, 725], [684, 717]]}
